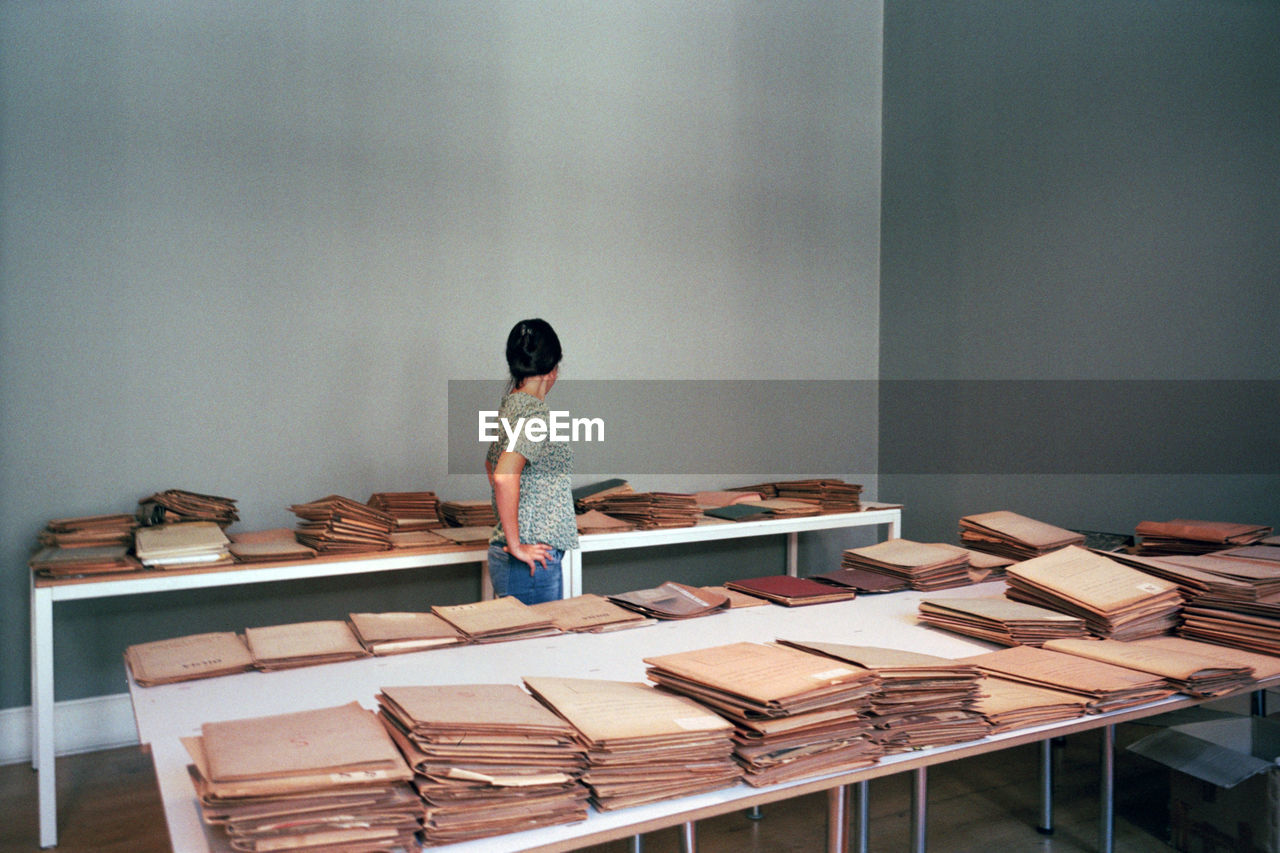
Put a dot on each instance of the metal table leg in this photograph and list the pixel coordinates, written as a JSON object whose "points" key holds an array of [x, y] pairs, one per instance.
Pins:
{"points": [[1106, 825], [688, 840], [919, 809], [863, 790], [838, 819], [1046, 787]]}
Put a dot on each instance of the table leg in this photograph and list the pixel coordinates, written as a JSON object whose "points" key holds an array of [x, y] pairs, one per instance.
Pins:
{"points": [[895, 527], [637, 844], [793, 553], [1259, 704], [42, 728], [1046, 787], [919, 809], [864, 815], [688, 840], [486, 582], [838, 819], [1106, 825], [571, 573]]}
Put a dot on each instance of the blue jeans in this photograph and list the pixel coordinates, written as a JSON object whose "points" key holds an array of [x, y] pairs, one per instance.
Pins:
{"points": [[511, 577]]}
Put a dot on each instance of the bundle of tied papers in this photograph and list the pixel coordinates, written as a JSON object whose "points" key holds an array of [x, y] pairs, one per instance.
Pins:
{"points": [[795, 714], [328, 779], [488, 759]]}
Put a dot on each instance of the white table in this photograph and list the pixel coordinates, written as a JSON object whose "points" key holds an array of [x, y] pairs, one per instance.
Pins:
{"points": [[166, 713]]}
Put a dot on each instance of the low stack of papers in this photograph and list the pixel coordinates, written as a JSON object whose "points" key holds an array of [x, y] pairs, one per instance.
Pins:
{"points": [[1264, 666], [785, 507], [831, 495], [302, 644], [396, 633], [1017, 537], [188, 658], [795, 714], [411, 510], [266, 546], [922, 701], [728, 497], [922, 565], [494, 621], [467, 537], [54, 562], [89, 531], [477, 513], [335, 524], [175, 505], [329, 779], [643, 745], [588, 497], [1254, 626], [191, 544], [422, 540], [649, 510], [1000, 620], [1115, 601], [790, 591], [589, 613], [595, 521], [488, 759], [1187, 536], [863, 581], [1192, 673], [672, 600], [1009, 705], [1105, 686]]}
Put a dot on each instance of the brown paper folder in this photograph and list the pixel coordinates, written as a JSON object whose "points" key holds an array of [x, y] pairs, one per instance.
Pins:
{"points": [[1192, 673], [1000, 620], [395, 633], [589, 613], [672, 600], [302, 644], [505, 618], [186, 658], [1011, 705], [1018, 537], [791, 591], [1107, 687]]}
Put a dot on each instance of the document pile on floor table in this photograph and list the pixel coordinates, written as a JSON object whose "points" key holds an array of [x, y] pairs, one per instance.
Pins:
{"points": [[1188, 536], [1104, 686], [924, 566], [488, 759], [329, 779], [472, 513], [1000, 620], [411, 510], [922, 701], [590, 614], [498, 620], [1009, 705], [1009, 534], [643, 744], [396, 633], [1192, 672], [335, 524], [1114, 600], [794, 713]]}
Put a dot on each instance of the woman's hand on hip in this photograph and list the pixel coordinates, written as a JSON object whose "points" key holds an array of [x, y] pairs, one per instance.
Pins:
{"points": [[531, 555]]}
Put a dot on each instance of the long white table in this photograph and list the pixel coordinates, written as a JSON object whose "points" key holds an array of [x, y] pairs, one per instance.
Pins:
{"points": [[166, 713], [46, 593]]}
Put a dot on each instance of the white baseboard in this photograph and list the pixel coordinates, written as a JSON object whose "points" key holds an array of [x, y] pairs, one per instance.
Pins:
{"points": [[82, 725]]}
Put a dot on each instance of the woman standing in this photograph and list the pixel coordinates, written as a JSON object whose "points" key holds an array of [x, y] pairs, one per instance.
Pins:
{"points": [[531, 480]]}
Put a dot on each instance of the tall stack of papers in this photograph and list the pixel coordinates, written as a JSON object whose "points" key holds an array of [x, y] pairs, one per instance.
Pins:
{"points": [[174, 505], [795, 714], [1188, 536], [1000, 620], [643, 745], [1115, 600], [1008, 534], [922, 565], [411, 510], [1009, 705], [922, 701], [1104, 686], [589, 613], [1192, 673], [396, 633], [335, 524], [476, 513], [190, 544], [494, 621], [831, 494], [302, 644], [672, 600], [329, 779], [188, 658], [648, 510], [488, 759]]}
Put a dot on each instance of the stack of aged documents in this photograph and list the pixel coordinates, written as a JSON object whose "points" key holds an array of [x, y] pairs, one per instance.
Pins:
{"points": [[264, 546], [1247, 625], [188, 658], [1188, 536], [1192, 673], [55, 562], [1115, 601], [89, 531], [475, 513], [1011, 705], [1008, 534], [467, 537], [727, 497], [1264, 666], [185, 545], [1104, 686], [1000, 620], [795, 714], [595, 521], [411, 510], [589, 613], [791, 591], [396, 633], [922, 701], [649, 510], [643, 744], [303, 644], [863, 581], [335, 524], [505, 618], [672, 600], [831, 494], [323, 780], [488, 759], [923, 566], [175, 505], [589, 496]]}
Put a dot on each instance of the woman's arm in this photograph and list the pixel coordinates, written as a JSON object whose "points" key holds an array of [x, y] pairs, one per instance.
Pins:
{"points": [[505, 476]]}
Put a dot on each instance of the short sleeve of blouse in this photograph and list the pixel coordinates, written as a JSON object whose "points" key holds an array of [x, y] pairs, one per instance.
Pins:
{"points": [[518, 409]]}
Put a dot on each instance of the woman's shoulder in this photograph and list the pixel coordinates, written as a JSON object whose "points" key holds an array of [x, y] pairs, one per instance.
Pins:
{"points": [[520, 404]]}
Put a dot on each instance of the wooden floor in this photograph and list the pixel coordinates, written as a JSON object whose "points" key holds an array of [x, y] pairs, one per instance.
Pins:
{"points": [[108, 803]]}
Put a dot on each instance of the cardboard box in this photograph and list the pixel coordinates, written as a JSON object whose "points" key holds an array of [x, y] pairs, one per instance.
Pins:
{"points": [[1224, 791]]}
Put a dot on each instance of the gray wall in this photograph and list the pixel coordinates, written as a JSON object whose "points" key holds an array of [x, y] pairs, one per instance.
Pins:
{"points": [[1082, 191], [244, 247]]}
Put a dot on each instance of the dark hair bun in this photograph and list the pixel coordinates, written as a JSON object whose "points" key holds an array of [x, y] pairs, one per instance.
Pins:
{"points": [[532, 349]]}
